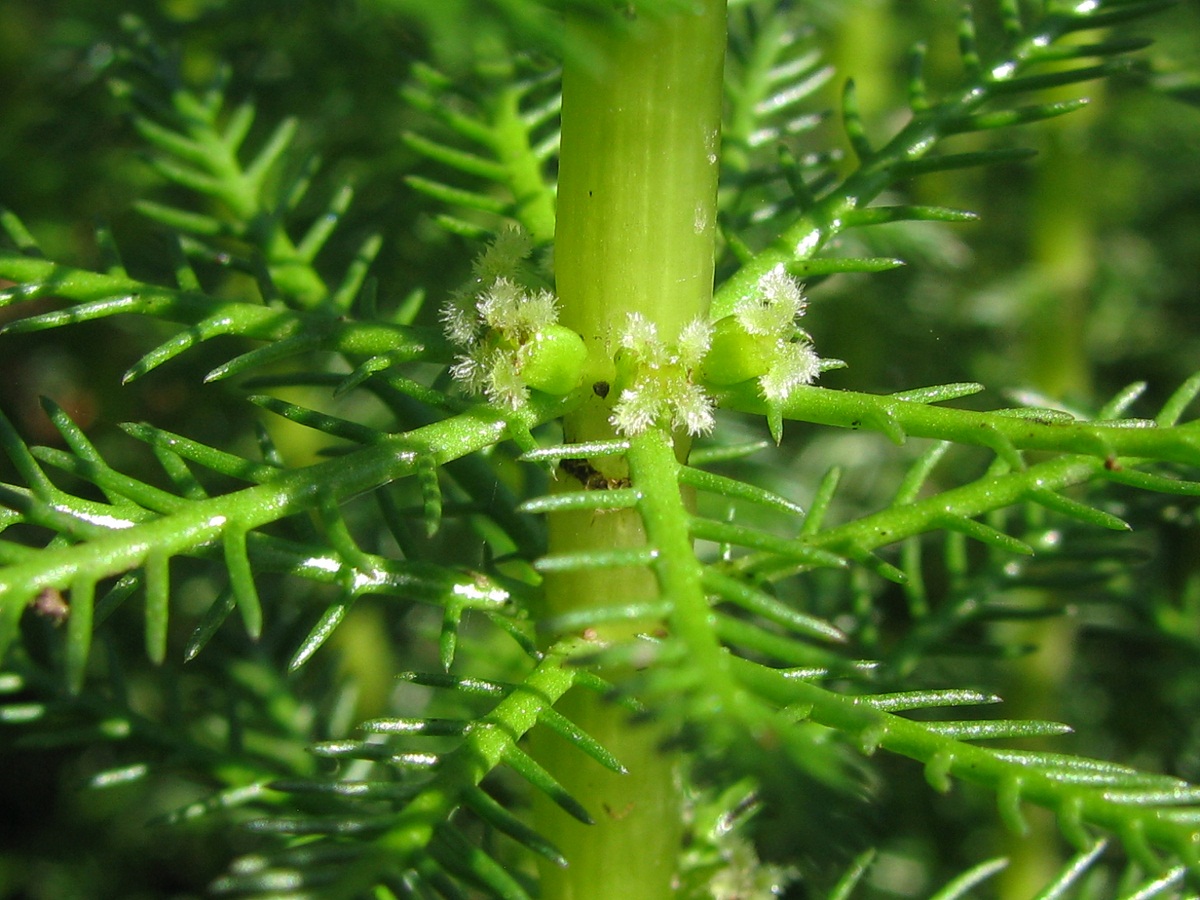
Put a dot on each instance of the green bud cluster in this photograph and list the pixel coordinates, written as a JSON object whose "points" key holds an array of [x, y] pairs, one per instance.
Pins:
{"points": [[508, 331], [761, 340], [656, 382]]}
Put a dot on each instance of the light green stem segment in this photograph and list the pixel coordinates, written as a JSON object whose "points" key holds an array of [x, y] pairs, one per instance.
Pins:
{"points": [[635, 233], [641, 126]]}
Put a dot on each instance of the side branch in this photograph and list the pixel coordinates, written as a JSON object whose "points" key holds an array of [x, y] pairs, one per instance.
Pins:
{"points": [[205, 522], [1003, 432]]}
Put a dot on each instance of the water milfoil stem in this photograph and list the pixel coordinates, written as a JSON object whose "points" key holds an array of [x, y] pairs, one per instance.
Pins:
{"points": [[635, 235]]}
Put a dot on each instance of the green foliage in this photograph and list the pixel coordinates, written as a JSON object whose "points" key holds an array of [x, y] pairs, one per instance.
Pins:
{"points": [[196, 619]]}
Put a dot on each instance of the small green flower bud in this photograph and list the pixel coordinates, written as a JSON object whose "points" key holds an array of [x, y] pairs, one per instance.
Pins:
{"points": [[553, 361], [626, 370], [736, 355]]}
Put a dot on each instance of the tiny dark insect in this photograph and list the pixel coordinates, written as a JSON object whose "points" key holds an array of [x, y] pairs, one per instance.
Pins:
{"points": [[617, 814], [601, 389], [51, 604], [587, 475]]}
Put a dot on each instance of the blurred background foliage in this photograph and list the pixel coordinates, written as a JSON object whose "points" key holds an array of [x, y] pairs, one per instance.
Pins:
{"points": [[1081, 275]]}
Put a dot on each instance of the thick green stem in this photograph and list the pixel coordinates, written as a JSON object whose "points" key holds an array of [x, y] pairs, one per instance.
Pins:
{"points": [[636, 220], [638, 183]]}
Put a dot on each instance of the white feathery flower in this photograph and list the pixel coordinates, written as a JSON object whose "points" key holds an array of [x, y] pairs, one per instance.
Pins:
{"points": [[539, 311], [795, 364], [663, 395], [469, 372], [459, 321], [661, 387], [504, 384], [694, 340], [500, 305], [777, 303], [504, 256], [508, 332], [767, 319], [781, 289], [636, 410], [692, 410], [641, 337], [513, 242]]}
